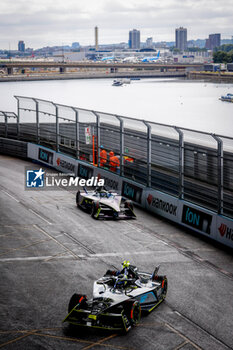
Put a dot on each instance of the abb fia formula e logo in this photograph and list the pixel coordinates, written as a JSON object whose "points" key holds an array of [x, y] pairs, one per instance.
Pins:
{"points": [[226, 231]]}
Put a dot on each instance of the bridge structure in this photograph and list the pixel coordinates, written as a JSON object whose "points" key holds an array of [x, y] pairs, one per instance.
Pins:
{"points": [[113, 66], [181, 174]]}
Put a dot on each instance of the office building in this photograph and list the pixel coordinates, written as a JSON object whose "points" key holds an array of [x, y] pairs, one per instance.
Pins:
{"points": [[213, 41], [181, 38], [149, 42], [96, 39], [21, 46], [134, 39]]}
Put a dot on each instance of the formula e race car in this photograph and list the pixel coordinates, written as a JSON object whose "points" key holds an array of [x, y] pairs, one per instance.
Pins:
{"points": [[118, 301], [105, 204]]}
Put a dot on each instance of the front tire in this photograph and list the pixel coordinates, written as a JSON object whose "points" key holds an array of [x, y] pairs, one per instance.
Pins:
{"points": [[94, 209], [78, 199], [164, 287], [75, 300], [133, 312]]}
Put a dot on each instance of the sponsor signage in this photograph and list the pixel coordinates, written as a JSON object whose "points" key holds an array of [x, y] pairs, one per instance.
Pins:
{"points": [[88, 135], [109, 182], [65, 165], [196, 219], [132, 192], [162, 205], [45, 156], [224, 230], [85, 172]]}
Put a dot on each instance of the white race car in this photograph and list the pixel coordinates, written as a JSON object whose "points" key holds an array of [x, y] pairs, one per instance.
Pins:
{"points": [[118, 301], [105, 204]]}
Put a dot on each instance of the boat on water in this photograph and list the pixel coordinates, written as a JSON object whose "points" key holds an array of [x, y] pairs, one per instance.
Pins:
{"points": [[120, 82], [117, 82], [227, 98]]}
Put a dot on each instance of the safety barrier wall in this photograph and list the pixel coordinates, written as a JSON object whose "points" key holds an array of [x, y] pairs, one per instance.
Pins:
{"points": [[197, 218], [190, 166]]}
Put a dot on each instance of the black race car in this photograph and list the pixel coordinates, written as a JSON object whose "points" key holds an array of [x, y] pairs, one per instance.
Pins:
{"points": [[118, 300], [105, 204]]}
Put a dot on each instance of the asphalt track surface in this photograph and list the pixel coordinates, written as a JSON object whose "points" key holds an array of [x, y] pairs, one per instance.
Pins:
{"points": [[50, 249]]}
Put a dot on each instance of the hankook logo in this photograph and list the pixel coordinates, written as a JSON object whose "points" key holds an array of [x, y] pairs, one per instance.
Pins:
{"points": [[162, 205], [109, 182], [226, 231], [65, 165]]}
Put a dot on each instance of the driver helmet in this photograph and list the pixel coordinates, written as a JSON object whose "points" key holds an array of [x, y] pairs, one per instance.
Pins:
{"points": [[126, 264]]}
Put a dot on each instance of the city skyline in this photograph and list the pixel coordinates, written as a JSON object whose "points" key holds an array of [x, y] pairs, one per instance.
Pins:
{"points": [[50, 22]]}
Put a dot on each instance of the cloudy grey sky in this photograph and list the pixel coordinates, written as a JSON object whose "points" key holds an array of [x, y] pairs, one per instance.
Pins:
{"points": [[61, 22]]}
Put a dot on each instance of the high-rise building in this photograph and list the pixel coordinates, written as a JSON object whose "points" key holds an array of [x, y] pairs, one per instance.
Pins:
{"points": [[96, 39], [134, 39], [213, 41], [21, 46], [181, 38], [149, 42]]}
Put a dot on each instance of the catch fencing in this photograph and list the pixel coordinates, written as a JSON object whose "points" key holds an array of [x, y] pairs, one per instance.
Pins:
{"points": [[193, 166]]}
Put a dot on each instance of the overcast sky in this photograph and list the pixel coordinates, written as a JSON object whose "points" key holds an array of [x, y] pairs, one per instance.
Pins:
{"points": [[60, 22]]}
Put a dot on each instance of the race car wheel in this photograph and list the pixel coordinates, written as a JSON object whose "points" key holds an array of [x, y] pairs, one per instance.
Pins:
{"points": [[133, 312], [129, 205], [78, 198], [164, 288], [94, 209], [75, 300]]}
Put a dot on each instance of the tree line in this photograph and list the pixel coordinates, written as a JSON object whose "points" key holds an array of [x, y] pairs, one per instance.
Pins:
{"points": [[223, 54]]}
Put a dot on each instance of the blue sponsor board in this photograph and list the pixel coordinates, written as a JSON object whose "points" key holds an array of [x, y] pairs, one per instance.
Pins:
{"points": [[84, 172], [45, 156], [132, 192], [196, 219]]}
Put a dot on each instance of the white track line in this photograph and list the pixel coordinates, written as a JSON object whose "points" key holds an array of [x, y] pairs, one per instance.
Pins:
{"points": [[8, 194], [41, 217]]}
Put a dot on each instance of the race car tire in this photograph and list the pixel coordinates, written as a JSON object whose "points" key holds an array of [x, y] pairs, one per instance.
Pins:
{"points": [[94, 209], [78, 198], [133, 312], [128, 204], [164, 287], [75, 300]]}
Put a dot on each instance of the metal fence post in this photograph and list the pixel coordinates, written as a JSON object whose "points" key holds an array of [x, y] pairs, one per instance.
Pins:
{"points": [[181, 162], [97, 137], [37, 122], [148, 153], [121, 145], [18, 119], [220, 172], [57, 128], [77, 133], [6, 126]]}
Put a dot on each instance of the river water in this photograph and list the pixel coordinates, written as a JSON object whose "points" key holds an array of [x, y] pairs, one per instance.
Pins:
{"points": [[185, 103]]}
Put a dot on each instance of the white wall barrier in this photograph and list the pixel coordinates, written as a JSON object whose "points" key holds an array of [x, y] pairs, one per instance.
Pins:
{"points": [[184, 213]]}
